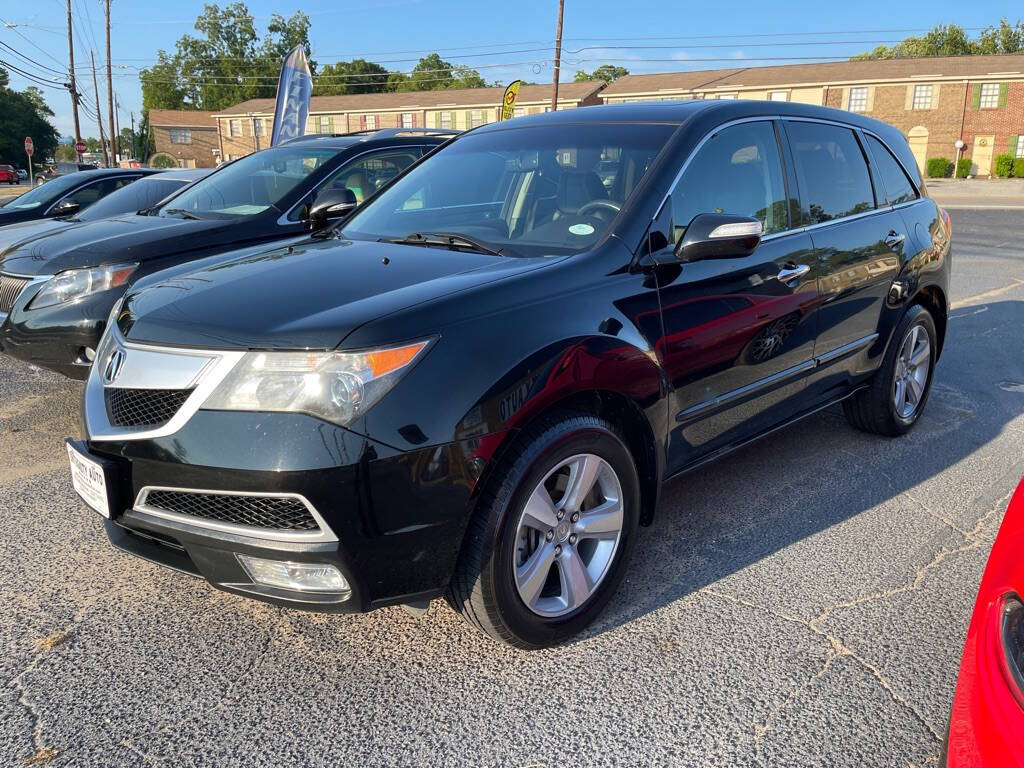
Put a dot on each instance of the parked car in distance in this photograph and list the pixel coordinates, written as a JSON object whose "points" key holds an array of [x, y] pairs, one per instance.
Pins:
{"points": [[142, 194], [8, 175], [57, 291], [478, 387], [67, 195], [986, 728]]}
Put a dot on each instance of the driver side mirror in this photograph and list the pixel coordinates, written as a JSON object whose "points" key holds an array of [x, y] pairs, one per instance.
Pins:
{"points": [[718, 236], [331, 204], [67, 208]]}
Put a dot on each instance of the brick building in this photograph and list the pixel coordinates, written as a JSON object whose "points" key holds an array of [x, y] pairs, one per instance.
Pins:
{"points": [[934, 101], [245, 127], [188, 136]]}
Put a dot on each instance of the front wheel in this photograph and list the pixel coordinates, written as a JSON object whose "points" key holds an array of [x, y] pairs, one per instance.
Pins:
{"points": [[893, 402], [551, 534]]}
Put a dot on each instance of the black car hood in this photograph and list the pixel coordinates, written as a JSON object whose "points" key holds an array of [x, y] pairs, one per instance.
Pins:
{"points": [[308, 296], [126, 238], [16, 235]]}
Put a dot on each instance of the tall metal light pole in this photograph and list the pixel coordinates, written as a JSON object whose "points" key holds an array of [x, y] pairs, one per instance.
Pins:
{"points": [[71, 72], [110, 91], [558, 56], [99, 113]]}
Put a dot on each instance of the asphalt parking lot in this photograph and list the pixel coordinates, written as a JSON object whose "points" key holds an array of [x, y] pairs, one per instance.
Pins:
{"points": [[803, 602]]}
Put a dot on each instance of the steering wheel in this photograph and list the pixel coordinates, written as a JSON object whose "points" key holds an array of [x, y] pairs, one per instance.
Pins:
{"points": [[594, 206]]}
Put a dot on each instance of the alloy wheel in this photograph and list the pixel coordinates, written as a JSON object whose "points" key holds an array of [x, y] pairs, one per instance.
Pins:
{"points": [[568, 535], [912, 369]]}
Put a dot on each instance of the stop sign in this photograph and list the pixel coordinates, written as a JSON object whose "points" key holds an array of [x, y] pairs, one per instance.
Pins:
{"points": [[80, 146], [29, 146]]}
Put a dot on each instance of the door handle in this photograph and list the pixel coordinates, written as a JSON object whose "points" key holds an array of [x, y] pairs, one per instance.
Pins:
{"points": [[894, 239], [788, 274]]}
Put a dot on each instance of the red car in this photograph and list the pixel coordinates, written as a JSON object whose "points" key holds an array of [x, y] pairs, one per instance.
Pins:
{"points": [[987, 724], [8, 175]]}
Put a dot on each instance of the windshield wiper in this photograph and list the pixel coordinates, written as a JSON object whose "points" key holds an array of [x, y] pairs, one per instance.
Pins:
{"points": [[181, 212], [446, 240]]}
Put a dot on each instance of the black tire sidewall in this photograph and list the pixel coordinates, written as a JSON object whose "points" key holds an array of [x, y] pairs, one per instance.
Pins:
{"points": [[917, 315], [527, 626]]}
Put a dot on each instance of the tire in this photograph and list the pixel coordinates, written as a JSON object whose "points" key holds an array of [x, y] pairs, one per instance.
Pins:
{"points": [[488, 586], [874, 409]]}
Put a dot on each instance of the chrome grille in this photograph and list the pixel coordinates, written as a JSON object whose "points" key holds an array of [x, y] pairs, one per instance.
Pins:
{"points": [[143, 407], [280, 513], [10, 288]]}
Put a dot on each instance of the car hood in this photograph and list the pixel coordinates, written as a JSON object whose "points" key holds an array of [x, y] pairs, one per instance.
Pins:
{"points": [[307, 296], [126, 238], [23, 233]]}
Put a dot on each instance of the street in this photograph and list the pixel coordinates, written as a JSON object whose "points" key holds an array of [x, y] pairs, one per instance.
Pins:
{"points": [[802, 602]]}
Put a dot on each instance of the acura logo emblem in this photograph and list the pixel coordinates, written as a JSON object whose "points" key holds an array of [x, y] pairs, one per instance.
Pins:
{"points": [[114, 365]]}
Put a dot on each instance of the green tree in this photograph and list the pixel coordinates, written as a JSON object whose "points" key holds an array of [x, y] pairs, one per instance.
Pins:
{"points": [[607, 72], [952, 40], [66, 153], [21, 115], [356, 76], [433, 73], [226, 63]]}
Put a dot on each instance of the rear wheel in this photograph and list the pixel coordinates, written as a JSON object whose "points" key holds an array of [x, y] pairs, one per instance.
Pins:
{"points": [[551, 534], [899, 390]]}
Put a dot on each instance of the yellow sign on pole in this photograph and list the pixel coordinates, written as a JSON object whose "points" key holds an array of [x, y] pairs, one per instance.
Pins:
{"points": [[508, 101]]}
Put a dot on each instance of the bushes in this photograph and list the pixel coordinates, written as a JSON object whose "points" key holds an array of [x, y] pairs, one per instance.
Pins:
{"points": [[939, 168], [1004, 165], [1018, 168], [963, 167]]}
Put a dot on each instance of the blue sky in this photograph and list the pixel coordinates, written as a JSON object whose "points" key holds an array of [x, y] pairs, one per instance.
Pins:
{"points": [[515, 41]]}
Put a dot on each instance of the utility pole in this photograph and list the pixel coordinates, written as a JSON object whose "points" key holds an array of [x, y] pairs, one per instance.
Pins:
{"points": [[71, 72], [110, 90], [99, 113], [132, 115], [558, 56], [117, 126]]}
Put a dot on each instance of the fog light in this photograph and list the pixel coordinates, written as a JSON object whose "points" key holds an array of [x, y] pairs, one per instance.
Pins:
{"points": [[89, 353], [301, 577]]}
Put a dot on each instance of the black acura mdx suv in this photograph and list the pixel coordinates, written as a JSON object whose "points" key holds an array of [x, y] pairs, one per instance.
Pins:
{"points": [[477, 385]]}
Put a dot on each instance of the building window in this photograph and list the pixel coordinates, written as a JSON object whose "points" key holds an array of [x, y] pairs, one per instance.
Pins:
{"points": [[326, 124], [234, 127], [407, 120], [446, 119], [922, 97], [547, 108], [989, 96], [257, 126], [778, 96], [518, 112], [727, 95], [858, 99], [371, 122], [476, 117], [181, 136], [1020, 146]]}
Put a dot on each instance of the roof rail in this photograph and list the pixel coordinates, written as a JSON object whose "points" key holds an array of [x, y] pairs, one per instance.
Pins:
{"points": [[379, 133]]}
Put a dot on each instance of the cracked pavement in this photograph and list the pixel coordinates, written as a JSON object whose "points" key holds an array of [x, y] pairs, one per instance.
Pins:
{"points": [[802, 603]]}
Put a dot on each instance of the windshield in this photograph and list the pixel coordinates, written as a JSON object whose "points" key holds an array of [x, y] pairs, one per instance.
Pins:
{"points": [[251, 185], [526, 191], [144, 193], [45, 193]]}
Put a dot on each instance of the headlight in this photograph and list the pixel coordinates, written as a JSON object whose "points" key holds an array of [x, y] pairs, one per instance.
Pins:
{"points": [[1012, 636], [336, 386], [76, 283]]}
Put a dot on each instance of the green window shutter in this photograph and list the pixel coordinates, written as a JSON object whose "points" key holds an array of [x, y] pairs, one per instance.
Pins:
{"points": [[1004, 90], [1013, 145], [976, 96], [469, 118]]}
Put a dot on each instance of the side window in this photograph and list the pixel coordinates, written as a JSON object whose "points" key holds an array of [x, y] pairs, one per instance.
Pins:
{"points": [[365, 175], [90, 193], [737, 171], [831, 170], [898, 188]]}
